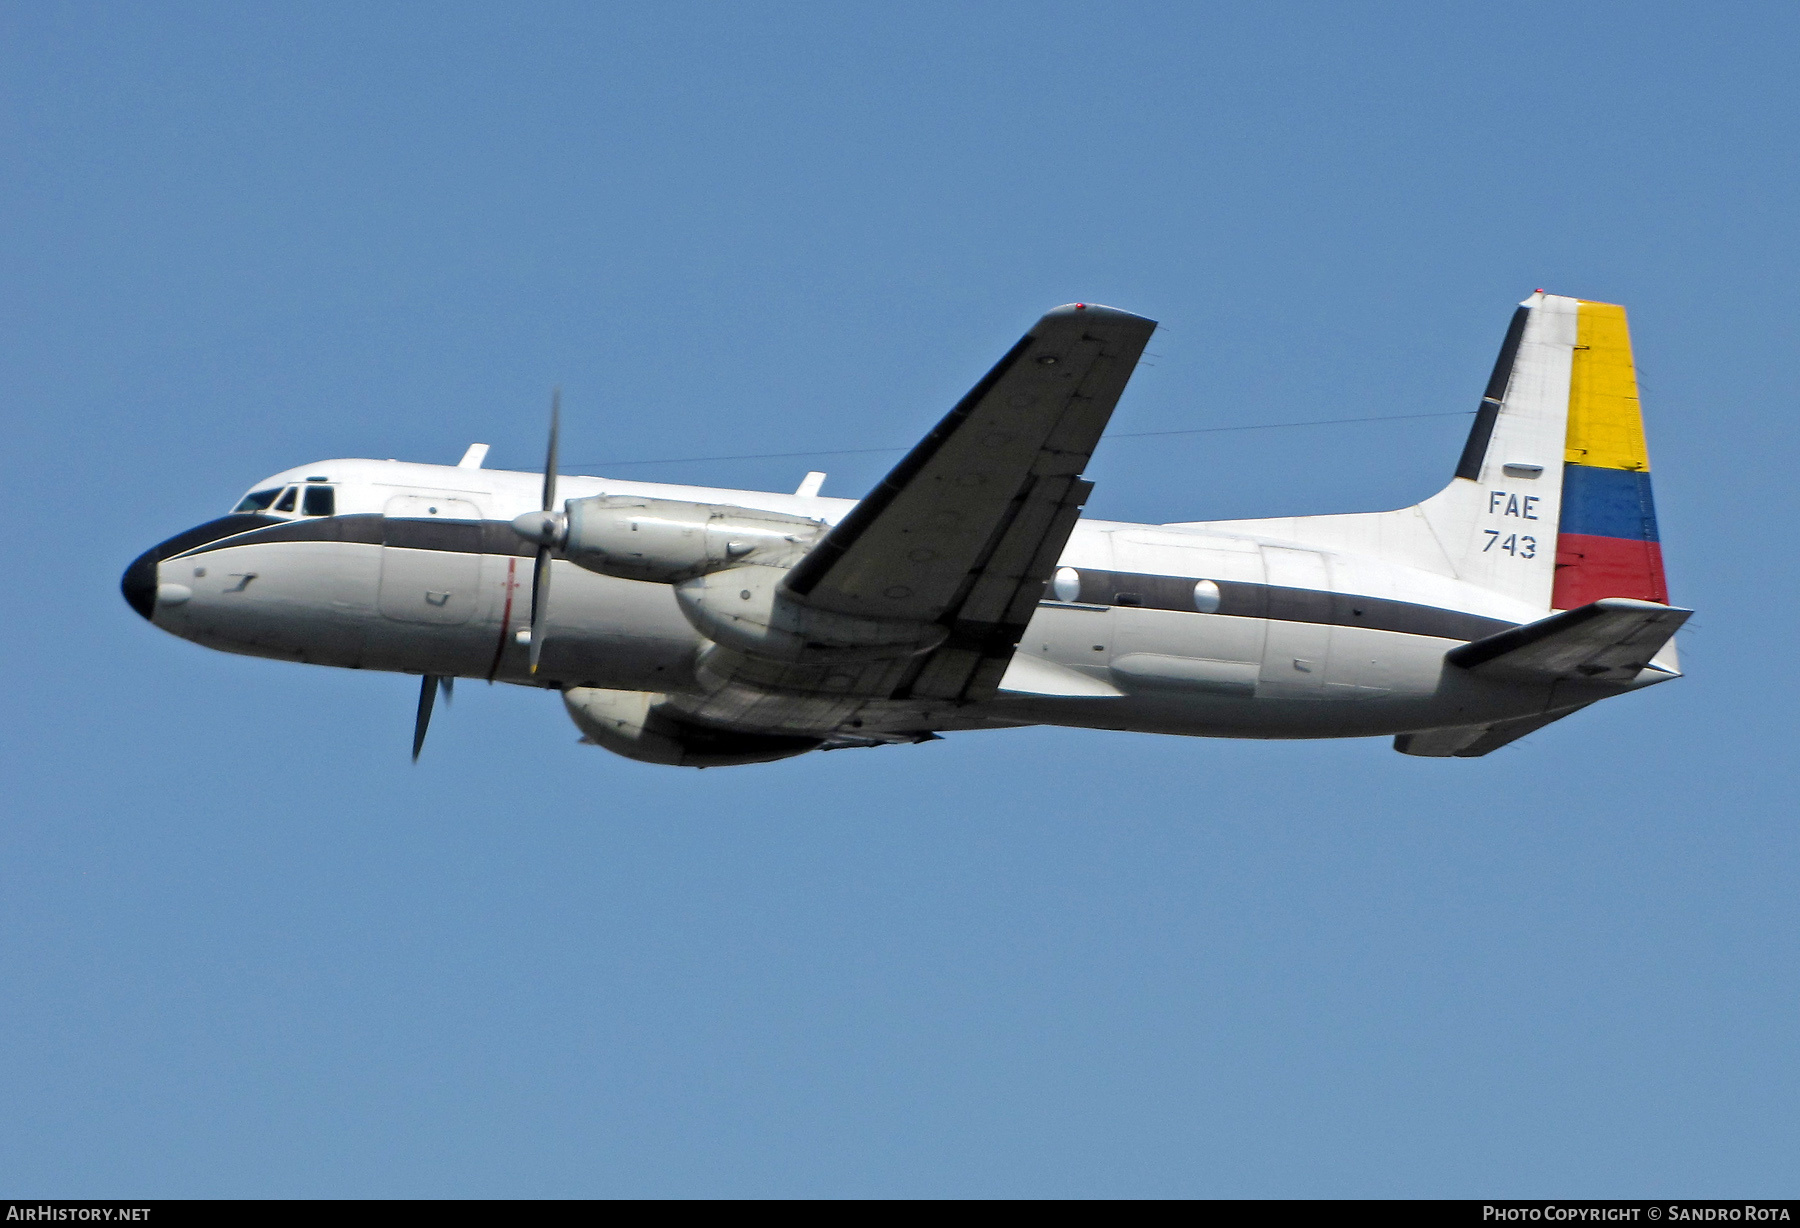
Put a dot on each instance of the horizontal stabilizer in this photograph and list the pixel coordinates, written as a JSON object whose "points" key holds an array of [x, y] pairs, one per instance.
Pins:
{"points": [[1610, 640], [1473, 741]]}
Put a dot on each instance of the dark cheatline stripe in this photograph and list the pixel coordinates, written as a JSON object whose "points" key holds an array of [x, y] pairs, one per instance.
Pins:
{"points": [[1111, 588], [807, 573], [1608, 503], [459, 536], [1475, 450], [1589, 568], [1297, 605], [326, 529], [212, 531]]}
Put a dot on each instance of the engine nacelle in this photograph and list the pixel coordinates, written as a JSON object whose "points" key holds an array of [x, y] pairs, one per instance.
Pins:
{"points": [[727, 565], [745, 608], [669, 540], [640, 725]]}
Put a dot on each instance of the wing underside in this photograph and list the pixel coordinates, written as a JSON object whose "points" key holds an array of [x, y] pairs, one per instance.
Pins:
{"points": [[965, 531]]}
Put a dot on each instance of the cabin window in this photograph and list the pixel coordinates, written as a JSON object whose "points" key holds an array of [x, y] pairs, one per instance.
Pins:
{"points": [[320, 501], [257, 500], [286, 502]]}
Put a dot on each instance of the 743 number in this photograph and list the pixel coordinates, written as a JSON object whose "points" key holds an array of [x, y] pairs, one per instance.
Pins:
{"points": [[1516, 544]]}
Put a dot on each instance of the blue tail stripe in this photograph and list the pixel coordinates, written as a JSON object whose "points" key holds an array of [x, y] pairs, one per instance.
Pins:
{"points": [[1608, 503]]}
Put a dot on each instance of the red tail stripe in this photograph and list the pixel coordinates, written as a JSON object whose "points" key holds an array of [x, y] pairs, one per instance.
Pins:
{"points": [[1589, 568]]}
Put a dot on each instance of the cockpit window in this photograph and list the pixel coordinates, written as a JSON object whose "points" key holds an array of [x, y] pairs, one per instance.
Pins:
{"points": [[320, 501], [286, 503], [257, 500]]}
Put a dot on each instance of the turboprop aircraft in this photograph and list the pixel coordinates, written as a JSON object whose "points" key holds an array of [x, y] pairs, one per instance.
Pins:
{"points": [[705, 627]]}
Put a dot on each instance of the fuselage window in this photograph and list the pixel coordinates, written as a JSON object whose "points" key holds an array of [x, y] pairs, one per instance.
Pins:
{"points": [[257, 500], [286, 502], [320, 501]]}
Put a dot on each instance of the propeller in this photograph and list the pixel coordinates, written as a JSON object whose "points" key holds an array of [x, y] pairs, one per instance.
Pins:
{"points": [[547, 528], [430, 685]]}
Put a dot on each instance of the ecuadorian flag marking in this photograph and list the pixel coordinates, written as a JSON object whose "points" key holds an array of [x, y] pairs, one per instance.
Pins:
{"points": [[1607, 545]]}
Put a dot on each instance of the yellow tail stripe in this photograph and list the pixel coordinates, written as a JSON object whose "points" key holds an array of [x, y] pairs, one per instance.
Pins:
{"points": [[1606, 426]]}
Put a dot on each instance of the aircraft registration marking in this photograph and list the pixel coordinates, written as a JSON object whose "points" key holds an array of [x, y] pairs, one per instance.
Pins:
{"points": [[1516, 544], [1506, 503]]}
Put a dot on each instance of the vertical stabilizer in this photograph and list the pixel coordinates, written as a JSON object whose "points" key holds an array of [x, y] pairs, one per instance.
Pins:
{"points": [[1550, 505], [1497, 520], [1551, 500]]}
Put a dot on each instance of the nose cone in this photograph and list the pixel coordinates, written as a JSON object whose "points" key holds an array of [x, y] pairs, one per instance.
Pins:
{"points": [[139, 583]]}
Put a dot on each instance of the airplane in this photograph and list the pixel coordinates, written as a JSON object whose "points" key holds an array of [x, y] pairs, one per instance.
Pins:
{"points": [[705, 627]]}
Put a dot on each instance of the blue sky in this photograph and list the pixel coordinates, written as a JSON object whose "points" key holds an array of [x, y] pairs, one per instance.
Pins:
{"points": [[246, 948]]}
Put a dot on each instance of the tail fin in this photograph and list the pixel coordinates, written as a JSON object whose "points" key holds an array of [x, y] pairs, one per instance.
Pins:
{"points": [[1551, 500]]}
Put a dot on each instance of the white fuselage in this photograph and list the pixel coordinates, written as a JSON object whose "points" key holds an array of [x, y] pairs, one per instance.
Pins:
{"points": [[1300, 640]]}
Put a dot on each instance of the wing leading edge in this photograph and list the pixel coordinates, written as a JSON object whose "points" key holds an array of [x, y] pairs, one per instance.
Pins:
{"points": [[966, 530]]}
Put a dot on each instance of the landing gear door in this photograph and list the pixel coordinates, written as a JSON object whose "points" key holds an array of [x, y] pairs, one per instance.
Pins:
{"points": [[430, 560]]}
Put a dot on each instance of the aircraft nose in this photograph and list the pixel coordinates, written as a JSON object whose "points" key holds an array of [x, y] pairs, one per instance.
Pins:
{"points": [[139, 583]]}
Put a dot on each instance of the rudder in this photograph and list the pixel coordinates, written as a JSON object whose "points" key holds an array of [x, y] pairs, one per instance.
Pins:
{"points": [[1607, 544]]}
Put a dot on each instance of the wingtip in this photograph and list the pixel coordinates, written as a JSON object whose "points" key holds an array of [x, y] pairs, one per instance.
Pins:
{"points": [[1092, 310]]}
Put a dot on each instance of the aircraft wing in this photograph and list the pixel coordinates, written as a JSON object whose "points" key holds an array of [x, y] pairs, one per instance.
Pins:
{"points": [[967, 528], [1610, 640]]}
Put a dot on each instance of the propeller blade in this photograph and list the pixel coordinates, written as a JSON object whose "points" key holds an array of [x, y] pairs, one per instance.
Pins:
{"points": [[540, 603], [550, 453], [540, 575], [427, 695], [449, 686]]}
